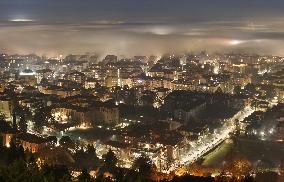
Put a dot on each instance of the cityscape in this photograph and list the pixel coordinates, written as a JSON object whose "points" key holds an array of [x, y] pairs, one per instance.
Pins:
{"points": [[108, 91]]}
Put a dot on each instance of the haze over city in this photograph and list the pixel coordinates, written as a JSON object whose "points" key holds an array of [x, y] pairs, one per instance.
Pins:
{"points": [[141, 27]]}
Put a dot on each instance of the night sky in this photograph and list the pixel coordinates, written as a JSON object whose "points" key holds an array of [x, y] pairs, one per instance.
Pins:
{"points": [[129, 27]]}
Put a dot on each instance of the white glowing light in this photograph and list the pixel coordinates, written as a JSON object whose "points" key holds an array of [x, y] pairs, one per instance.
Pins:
{"points": [[27, 74], [160, 31], [21, 20], [8, 145], [262, 133], [236, 42]]}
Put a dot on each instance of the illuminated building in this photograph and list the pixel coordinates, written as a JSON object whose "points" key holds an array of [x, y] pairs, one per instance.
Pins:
{"points": [[28, 77], [6, 107], [31, 142], [75, 76], [8, 134]]}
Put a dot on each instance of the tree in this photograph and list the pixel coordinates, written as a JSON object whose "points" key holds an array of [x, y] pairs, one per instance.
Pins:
{"points": [[12, 153], [238, 90], [219, 90], [52, 139], [143, 165], [248, 178], [2, 116], [14, 120], [189, 178], [23, 124], [84, 176], [15, 153], [270, 92], [86, 159], [266, 176], [67, 142], [281, 169], [41, 117], [110, 159], [147, 100], [241, 166], [254, 103], [56, 173], [250, 89], [91, 151]]}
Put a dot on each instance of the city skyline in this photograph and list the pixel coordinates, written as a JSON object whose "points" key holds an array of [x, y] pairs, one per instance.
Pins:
{"points": [[148, 90]]}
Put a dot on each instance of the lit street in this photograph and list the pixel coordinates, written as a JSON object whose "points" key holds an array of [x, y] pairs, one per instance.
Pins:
{"points": [[210, 141]]}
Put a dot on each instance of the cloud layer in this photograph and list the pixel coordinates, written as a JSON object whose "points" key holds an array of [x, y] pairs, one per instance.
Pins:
{"points": [[148, 27]]}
